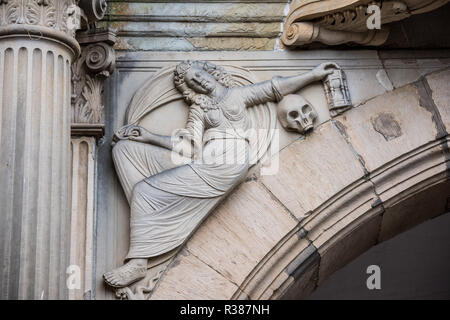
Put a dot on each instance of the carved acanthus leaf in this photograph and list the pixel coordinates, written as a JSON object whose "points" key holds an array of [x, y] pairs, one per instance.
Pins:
{"points": [[55, 14], [11, 12]]}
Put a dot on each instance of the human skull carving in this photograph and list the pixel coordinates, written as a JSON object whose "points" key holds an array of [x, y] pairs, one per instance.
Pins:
{"points": [[296, 114]]}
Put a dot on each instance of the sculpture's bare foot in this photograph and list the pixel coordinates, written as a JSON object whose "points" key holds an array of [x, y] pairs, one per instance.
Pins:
{"points": [[132, 271]]}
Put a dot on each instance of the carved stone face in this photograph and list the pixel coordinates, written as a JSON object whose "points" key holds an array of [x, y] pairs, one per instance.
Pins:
{"points": [[296, 114], [200, 81]]}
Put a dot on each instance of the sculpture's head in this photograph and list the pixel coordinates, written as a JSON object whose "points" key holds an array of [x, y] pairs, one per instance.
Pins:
{"points": [[200, 81], [196, 79], [296, 113]]}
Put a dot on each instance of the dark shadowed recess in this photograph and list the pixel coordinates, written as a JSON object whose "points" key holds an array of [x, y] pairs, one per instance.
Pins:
{"points": [[414, 265]]}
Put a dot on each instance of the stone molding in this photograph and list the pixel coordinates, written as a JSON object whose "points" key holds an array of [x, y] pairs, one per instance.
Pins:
{"points": [[334, 22], [196, 25], [89, 71]]}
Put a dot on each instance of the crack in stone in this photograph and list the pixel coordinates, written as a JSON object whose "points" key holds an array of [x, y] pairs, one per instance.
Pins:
{"points": [[281, 203], [342, 130], [225, 277], [426, 101]]}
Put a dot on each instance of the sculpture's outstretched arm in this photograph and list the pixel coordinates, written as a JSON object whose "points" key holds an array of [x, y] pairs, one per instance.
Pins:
{"points": [[136, 133], [274, 90], [288, 85], [184, 141]]}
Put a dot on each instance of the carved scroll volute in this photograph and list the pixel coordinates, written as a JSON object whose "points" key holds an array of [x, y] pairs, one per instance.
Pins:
{"points": [[94, 10], [95, 65], [100, 59]]}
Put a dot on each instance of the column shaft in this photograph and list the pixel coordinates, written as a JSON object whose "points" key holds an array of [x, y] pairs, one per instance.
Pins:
{"points": [[35, 92], [83, 217]]}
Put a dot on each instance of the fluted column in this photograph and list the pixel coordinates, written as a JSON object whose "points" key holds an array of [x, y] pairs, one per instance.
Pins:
{"points": [[83, 216], [37, 47]]}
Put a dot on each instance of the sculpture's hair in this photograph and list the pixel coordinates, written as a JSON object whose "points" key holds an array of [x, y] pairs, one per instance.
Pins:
{"points": [[189, 95]]}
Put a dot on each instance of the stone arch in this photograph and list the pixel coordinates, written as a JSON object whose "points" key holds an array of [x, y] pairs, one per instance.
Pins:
{"points": [[358, 179]]}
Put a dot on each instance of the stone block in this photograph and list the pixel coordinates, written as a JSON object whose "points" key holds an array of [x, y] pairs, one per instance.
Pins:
{"points": [[405, 67], [388, 126], [179, 282], [269, 277], [364, 84], [313, 170], [241, 231]]}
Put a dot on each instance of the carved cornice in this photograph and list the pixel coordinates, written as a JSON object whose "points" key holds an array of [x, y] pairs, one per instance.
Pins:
{"points": [[335, 22], [89, 71]]}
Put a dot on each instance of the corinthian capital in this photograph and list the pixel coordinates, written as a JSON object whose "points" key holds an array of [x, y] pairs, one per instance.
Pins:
{"points": [[59, 15], [89, 72]]}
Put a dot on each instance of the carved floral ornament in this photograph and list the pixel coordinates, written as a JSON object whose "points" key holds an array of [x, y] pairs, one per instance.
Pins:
{"points": [[170, 191], [334, 22]]}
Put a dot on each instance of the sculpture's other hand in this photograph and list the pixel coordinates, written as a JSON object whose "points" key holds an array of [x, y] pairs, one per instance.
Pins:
{"points": [[131, 132], [139, 134], [136, 133], [324, 69]]}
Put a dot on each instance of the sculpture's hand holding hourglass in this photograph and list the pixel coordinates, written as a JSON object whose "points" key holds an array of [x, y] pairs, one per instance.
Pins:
{"points": [[289, 85], [323, 70]]}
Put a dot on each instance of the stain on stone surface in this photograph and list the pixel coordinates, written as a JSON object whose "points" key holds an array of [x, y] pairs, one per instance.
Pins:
{"points": [[387, 126]]}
